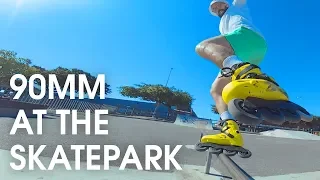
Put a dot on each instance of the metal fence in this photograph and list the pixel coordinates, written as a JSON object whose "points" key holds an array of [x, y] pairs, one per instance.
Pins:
{"points": [[82, 105], [86, 104], [56, 103], [136, 111]]}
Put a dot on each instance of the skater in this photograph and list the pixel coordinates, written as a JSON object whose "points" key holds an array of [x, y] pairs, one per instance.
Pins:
{"points": [[240, 47]]}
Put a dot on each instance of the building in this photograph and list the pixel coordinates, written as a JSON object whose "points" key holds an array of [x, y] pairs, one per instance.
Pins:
{"points": [[132, 107], [120, 106]]}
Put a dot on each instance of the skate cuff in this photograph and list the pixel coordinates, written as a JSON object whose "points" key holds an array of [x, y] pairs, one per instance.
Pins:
{"points": [[226, 116]]}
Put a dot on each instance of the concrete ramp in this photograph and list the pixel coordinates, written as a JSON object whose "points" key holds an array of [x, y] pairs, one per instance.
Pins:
{"points": [[190, 121]]}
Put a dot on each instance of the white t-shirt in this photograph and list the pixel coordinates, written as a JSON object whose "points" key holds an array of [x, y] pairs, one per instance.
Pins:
{"points": [[237, 15]]}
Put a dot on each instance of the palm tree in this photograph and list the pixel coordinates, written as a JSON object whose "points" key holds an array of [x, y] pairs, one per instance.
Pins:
{"points": [[214, 109]]}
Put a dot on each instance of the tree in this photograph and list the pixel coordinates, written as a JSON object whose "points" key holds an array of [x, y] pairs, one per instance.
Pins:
{"points": [[183, 100], [159, 94], [91, 79], [11, 64], [214, 109]]}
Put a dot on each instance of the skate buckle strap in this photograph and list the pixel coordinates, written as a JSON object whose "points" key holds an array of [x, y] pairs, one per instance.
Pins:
{"points": [[231, 71], [228, 134], [227, 71], [253, 75], [246, 70], [265, 77]]}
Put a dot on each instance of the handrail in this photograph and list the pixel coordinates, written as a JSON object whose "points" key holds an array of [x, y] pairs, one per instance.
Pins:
{"points": [[236, 172], [234, 169]]}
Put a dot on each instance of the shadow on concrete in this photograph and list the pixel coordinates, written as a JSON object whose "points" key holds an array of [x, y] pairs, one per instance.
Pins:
{"points": [[218, 175]]}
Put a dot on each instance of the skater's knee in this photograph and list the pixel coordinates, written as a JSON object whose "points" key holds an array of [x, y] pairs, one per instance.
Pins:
{"points": [[216, 91], [217, 86], [204, 48], [215, 49], [216, 94]]}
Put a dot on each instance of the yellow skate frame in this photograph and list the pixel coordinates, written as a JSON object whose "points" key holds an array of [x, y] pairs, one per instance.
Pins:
{"points": [[259, 88]]}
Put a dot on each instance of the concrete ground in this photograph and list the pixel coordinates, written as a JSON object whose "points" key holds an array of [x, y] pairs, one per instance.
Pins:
{"points": [[271, 156]]}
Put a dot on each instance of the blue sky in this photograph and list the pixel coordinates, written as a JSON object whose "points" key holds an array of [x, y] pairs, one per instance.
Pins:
{"points": [[140, 40]]}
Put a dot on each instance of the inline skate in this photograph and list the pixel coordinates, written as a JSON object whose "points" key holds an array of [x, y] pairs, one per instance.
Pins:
{"points": [[229, 141], [253, 97]]}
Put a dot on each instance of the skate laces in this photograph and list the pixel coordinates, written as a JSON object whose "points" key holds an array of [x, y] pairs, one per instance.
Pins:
{"points": [[228, 72]]}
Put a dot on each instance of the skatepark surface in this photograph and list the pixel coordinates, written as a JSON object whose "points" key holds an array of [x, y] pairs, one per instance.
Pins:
{"points": [[273, 157]]}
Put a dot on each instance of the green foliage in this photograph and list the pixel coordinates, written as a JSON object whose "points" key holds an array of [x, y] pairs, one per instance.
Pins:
{"points": [[214, 109], [131, 92], [183, 100], [11, 64], [159, 94]]}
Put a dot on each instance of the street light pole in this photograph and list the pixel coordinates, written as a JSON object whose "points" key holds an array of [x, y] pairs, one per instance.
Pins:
{"points": [[169, 77]]}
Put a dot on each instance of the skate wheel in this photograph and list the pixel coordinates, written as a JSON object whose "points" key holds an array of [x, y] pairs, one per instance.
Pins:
{"points": [[245, 154], [200, 148], [230, 153], [272, 116], [304, 114], [291, 116], [305, 117], [244, 114], [216, 150]]}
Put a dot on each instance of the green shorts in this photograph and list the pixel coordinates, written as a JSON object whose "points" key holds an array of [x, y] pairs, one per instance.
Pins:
{"points": [[248, 45]]}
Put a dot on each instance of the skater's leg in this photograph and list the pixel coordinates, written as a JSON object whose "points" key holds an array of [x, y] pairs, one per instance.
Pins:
{"points": [[243, 45], [216, 92], [215, 49]]}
